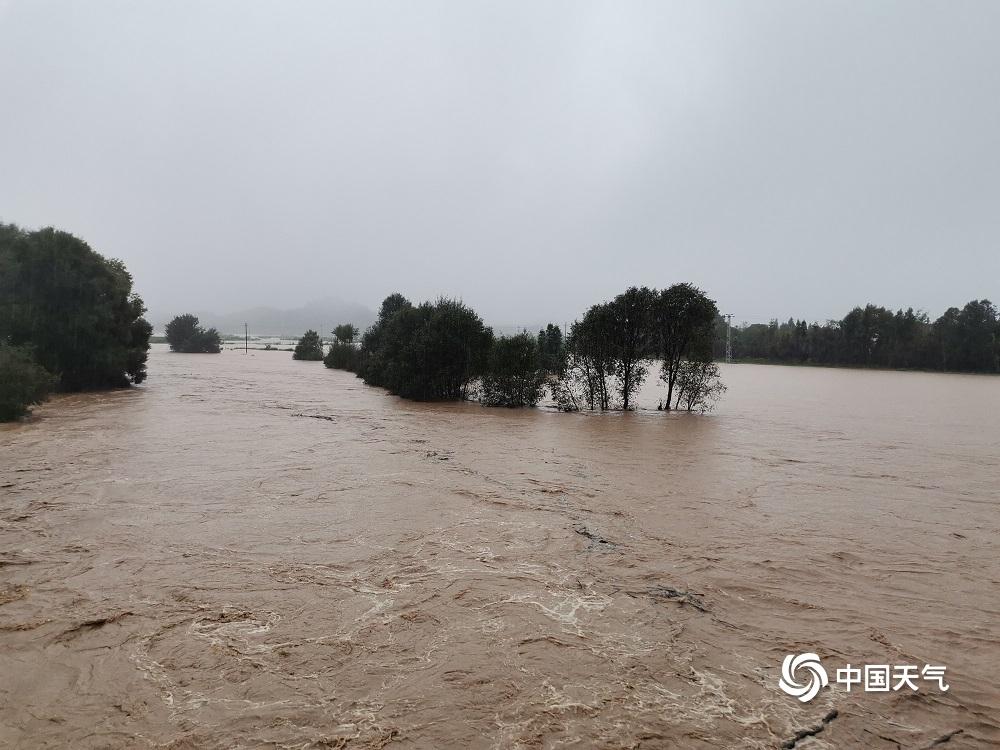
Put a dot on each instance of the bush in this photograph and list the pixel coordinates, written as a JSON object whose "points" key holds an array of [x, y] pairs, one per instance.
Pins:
{"points": [[698, 385], [342, 356], [74, 307], [185, 335], [514, 374], [345, 333], [23, 382], [428, 353], [310, 347]]}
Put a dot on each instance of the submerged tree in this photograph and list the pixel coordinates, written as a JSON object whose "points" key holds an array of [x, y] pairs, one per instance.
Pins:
{"points": [[514, 374], [593, 351], [310, 347], [684, 318], [550, 348], [698, 385], [23, 382], [185, 335], [426, 353], [587, 362], [345, 333], [343, 354], [376, 349], [76, 309], [439, 350], [632, 339]]}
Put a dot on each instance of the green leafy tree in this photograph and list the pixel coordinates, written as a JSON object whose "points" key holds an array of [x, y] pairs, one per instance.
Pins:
{"points": [[633, 340], [184, 334], [970, 339], [594, 350], [698, 385], [310, 347], [343, 354], [588, 363], [514, 373], [75, 307], [963, 339], [607, 352], [684, 318], [550, 348], [345, 333], [426, 353], [374, 355], [23, 382]]}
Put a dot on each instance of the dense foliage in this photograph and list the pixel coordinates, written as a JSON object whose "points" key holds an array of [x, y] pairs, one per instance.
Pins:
{"points": [[431, 352], [342, 356], [608, 351], [23, 382], [514, 373], [551, 349], [345, 333], [74, 307], [310, 347], [184, 334], [963, 340], [442, 350], [698, 385]]}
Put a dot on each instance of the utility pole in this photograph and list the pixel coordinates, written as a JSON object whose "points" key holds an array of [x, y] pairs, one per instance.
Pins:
{"points": [[729, 338], [246, 338]]}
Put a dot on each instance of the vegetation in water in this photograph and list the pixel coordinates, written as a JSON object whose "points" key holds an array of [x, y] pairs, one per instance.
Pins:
{"points": [[514, 374], [185, 334], [431, 352], [310, 347], [343, 354], [607, 353], [74, 308], [23, 382], [442, 350]]}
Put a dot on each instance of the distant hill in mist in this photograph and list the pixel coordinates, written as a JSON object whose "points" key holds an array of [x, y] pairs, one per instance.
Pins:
{"points": [[321, 315]]}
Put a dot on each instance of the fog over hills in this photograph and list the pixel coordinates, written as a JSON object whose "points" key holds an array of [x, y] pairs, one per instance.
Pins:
{"points": [[320, 315]]}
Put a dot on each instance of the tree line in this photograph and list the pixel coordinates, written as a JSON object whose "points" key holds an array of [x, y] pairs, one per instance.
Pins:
{"points": [[69, 319], [443, 351], [960, 340]]}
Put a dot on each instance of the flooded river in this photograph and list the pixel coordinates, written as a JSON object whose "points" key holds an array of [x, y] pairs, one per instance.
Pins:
{"points": [[249, 551]]}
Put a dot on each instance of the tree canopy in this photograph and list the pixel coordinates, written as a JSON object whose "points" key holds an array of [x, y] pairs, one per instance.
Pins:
{"points": [[75, 308], [343, 354], [608, 351], [442, 350], [23, 382], [345, 333], [184, 334], [514, 374], [427, 353], [309, 347]]}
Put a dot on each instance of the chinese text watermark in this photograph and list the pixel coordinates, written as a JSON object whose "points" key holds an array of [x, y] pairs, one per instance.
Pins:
{"points": [[803, 676]]}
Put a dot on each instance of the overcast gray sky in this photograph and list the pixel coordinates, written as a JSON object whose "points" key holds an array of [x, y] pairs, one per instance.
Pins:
{"points": [[791, 158]]}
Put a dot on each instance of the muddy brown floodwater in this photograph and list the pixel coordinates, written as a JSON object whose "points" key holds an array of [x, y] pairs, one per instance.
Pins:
{"points": [[249, 551]]}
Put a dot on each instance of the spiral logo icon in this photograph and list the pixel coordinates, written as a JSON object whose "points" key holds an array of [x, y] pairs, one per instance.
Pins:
{"points": [[817, 679]]}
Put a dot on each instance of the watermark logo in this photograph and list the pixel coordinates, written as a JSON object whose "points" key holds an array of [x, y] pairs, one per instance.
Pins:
{"points": [[803, 676], [811, 668]]}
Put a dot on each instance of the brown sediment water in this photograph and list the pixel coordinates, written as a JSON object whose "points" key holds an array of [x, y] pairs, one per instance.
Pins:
{"points": [[250, 551]]}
